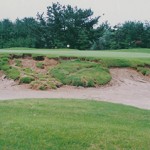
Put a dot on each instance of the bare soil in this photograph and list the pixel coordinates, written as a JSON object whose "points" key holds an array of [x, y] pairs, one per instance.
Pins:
{"points": [[126, 87], [30, 63]]}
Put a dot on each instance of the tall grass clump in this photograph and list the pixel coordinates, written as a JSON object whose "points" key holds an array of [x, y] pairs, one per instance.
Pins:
{"points": [[12, 73], [79, 73]]}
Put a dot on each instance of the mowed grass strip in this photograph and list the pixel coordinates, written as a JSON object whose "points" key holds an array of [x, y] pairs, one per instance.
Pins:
{"points": [[72, 125], [126, 53]]}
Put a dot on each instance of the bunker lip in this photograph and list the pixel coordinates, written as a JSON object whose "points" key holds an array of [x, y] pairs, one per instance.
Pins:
{"points": [[126, 87]]}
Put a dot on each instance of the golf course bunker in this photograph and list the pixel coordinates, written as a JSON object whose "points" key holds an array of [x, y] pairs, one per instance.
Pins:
{"points": [[126, 87]]}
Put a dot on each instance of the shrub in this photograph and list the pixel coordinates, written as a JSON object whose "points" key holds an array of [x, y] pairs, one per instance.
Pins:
{"points": [[4, 67], [144, 71], [27, 70], [5, 59], [38, 57], [40, 65], [43, 87], [4, 63], [13, 73], [18, 62], [26, 80]]}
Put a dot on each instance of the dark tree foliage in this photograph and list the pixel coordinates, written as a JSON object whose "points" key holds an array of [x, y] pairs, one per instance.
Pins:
{"points": [[128, 35], [65, 25], [17, 34]]}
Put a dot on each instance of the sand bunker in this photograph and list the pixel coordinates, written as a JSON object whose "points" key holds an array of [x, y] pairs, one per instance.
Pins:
{"points": [[127, 87]]}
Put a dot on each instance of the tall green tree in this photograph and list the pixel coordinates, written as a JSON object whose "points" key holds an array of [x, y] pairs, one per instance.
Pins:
{"points": [[65, 24]]}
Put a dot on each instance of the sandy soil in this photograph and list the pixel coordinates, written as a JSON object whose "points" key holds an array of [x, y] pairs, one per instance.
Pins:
{"points": [[30, 63], [127, 87]]}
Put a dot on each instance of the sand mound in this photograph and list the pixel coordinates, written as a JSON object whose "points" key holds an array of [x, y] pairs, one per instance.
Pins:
{"points": [[127, 76], [4, 82]]}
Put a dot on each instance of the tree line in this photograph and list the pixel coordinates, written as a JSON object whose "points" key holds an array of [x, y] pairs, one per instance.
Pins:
{"points": [[75, 27]]}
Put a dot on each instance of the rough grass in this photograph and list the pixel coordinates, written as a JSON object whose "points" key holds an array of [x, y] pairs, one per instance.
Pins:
{"points": [[72, 125], [26, 79], [10, 72], [145, 71], [18, 63], [39, 81], [79, 73], [40, 65]]}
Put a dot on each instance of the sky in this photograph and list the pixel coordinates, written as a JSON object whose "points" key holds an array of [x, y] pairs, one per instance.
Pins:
{"points": [[115, 11]]}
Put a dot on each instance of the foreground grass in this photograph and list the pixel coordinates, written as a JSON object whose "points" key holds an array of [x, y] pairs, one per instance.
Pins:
{"points": [[72, 125]]}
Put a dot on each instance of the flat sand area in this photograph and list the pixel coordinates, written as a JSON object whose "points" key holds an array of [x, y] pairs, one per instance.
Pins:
{"points": [[126, 87]]}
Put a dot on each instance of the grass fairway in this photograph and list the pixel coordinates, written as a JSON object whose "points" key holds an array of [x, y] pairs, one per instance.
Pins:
{"points": [[126, 53], [72, 125]]}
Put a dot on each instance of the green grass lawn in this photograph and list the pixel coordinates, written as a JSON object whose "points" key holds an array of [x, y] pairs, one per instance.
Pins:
{"points": [[137, 50], [129, 53], [72, 125]]}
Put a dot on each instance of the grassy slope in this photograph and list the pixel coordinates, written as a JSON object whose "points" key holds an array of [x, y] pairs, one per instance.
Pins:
{"points": [[115, 58], [72, 124]]}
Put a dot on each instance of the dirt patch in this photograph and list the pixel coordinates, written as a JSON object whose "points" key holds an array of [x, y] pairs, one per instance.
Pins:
{"points": [[127, 76], [50, 62], [29, 62], [1, 74], [4, 82], [10, 85]]}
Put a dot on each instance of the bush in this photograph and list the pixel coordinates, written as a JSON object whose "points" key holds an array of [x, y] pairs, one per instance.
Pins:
{"points": [[4, 67], [13, 73], [18, 62], [5, 59], [27, 70], [40, 65], [144, 71], [4, 63], [26, 80], [44, 85], [38, 57]]}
